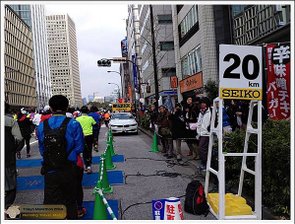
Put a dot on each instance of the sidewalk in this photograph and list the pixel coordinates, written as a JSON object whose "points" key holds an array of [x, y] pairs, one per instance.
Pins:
{"points": [[266, 214]]}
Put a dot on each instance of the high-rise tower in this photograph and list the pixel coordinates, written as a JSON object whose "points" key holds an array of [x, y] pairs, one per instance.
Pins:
{"points": [[63, 58]]}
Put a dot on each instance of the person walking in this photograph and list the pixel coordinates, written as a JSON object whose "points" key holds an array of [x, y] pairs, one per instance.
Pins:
{"points": [[12, 137], [107, 118], [26, 129], [203, 126], [96, 128], [60, 142], [87, 123]]}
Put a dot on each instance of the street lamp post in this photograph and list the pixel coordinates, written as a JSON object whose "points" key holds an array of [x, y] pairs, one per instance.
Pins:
{"points": [[117, 86], [121, 80]]}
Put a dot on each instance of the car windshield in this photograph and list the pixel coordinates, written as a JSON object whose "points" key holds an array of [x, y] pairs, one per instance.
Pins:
{"points": [[122, 116]]}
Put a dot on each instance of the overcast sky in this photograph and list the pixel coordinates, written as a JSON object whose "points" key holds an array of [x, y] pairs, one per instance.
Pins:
{"points": [[100, 28]]}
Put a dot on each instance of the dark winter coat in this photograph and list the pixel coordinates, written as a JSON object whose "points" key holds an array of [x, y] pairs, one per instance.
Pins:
{"points": [[178, 125], [25, 125]]}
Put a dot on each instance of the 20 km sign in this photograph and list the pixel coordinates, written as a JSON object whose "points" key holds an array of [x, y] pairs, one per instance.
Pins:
{"points": [[240, 72]]}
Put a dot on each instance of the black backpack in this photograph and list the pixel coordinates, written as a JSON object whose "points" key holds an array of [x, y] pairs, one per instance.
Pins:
{"points": [[195, 201], [55, 154]]}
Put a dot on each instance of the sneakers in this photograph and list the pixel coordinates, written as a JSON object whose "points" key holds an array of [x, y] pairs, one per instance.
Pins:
{"points": [[81, 212], [88, 170], [18, 155], [28, 155]]}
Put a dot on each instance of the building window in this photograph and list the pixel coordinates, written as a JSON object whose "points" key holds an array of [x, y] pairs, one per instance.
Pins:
{"points": [[164, 19], [192, 62], [167, 46], [167, 72], [189, 21]]}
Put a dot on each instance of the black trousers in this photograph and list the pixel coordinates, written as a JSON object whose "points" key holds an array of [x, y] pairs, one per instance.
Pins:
{"points": [[203, 145], [60, 189], [26, 140], [80, 193], [87, 153]]}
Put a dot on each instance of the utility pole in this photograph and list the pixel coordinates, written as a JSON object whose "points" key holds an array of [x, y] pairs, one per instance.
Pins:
{"points": [[154, 58]]}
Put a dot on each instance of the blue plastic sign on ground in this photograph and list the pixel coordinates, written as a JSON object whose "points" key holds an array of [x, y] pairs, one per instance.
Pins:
{"points": [[158, 209]]}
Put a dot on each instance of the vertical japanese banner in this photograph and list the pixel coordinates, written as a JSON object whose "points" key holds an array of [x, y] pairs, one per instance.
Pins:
{"points": [[134, 72], [278, 80]]}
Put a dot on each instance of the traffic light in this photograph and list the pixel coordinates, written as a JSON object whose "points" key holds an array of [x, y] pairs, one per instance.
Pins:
{"points": [[104, 63]]}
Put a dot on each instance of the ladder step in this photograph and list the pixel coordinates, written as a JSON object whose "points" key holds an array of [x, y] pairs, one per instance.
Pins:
{"points": [[240, 154], [252, 130], [249, 171], [213, 171]]}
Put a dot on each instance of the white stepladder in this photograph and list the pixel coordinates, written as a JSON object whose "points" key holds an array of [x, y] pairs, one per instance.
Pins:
{"points": [[220, 173]]}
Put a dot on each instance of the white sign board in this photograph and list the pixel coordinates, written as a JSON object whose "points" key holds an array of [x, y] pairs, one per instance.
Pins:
{"points": [[240, 72]]}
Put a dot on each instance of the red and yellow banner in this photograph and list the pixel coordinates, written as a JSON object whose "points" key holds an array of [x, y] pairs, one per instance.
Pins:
{"points": [[278, 80]]}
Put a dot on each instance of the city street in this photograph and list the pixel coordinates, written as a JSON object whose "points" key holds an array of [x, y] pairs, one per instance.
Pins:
{"points": [[135, 189]]}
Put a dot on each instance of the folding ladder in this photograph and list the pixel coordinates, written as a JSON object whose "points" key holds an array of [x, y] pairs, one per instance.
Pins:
{"points": [[220, 173]]}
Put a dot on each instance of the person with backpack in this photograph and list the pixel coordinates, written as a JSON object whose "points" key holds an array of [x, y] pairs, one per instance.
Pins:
{"points": [[87, 123], [60, 142], [12, 137]]}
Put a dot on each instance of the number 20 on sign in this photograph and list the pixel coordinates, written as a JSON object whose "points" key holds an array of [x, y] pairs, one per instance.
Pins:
{"points": [[240, 72]]}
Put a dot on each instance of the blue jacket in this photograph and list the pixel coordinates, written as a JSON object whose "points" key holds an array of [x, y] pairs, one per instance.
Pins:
{"points": [[95, 116], [74, 136]]}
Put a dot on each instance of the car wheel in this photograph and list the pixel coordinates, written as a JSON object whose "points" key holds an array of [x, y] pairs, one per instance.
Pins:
{"points": [[136, 133]]}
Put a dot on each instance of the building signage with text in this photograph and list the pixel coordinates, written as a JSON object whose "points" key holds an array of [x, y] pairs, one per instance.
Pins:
{"points": [[240, 72], [278, 80], [191, 83]]}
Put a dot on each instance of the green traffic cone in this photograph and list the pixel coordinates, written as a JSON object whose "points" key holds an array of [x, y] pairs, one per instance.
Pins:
{"points": [[106, 188], [108, 159], [100, 210], [154, 147], [110, 144]]}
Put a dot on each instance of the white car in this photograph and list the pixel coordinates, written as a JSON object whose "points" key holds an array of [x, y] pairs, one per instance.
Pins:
{"points": [[123, 122]]}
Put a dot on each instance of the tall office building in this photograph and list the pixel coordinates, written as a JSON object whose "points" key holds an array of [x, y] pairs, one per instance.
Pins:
{"points": [[164, 48], [133, 51], [198, 31], [34, 17], [20, 85], [63, 58]]}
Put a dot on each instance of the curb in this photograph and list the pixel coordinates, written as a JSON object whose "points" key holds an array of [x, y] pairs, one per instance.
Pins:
{"points": [[147, 132]]}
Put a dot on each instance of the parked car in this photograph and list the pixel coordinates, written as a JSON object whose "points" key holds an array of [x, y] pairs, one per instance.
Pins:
{"points": [[123, 122]]}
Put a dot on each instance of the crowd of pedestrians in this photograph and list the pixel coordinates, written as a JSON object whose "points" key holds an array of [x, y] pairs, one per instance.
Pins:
{"points": [[74, 133], [66, 137], [190, 122]]}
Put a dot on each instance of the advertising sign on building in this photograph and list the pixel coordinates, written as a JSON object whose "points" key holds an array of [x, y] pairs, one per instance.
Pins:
{"points": [[173, 82], [134, 72], [191, 83], [278, 80], [124, 48], [240, 72]]}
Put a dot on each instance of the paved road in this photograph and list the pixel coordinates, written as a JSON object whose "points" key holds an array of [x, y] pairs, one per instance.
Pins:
{"points": [[136, 189]]}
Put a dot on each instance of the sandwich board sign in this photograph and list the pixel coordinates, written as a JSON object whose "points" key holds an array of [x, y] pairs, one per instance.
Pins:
{"points": [[240, 72]]}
